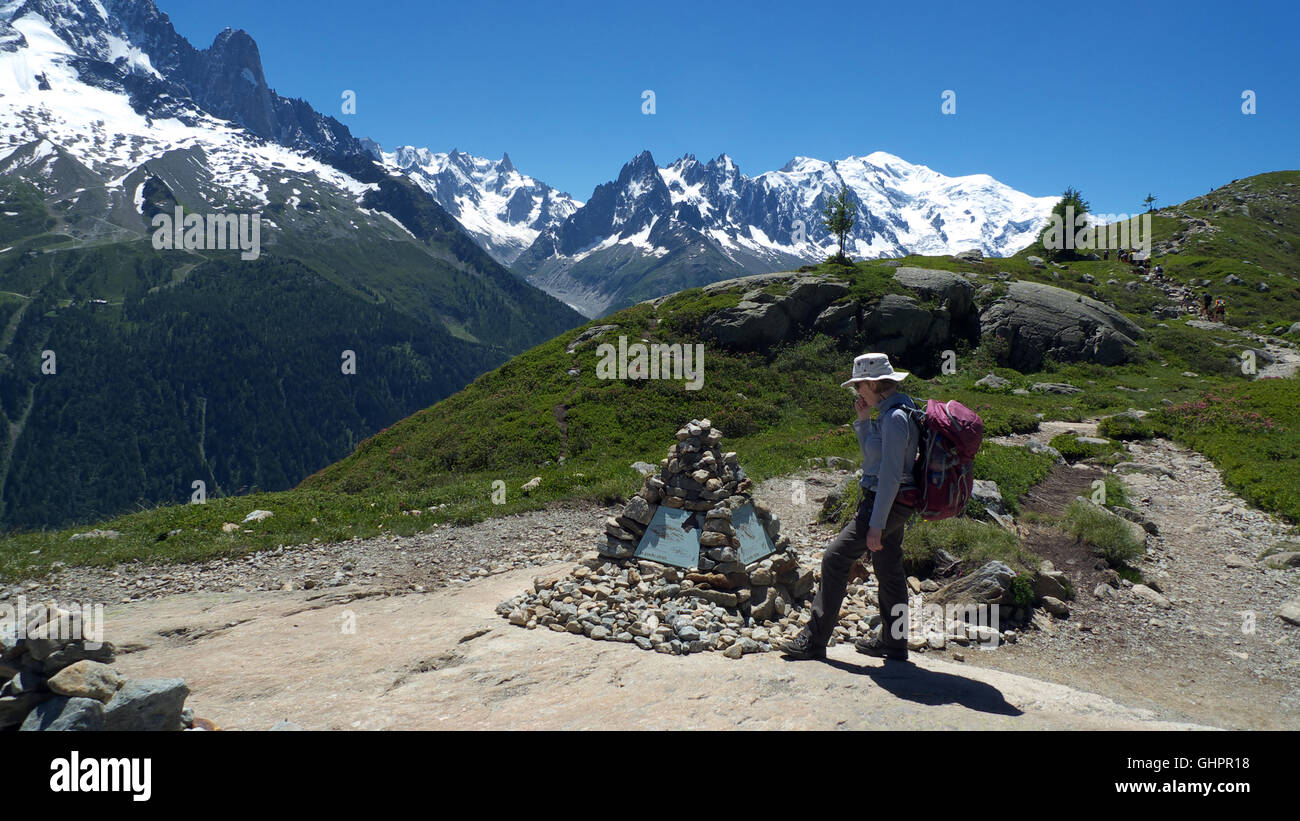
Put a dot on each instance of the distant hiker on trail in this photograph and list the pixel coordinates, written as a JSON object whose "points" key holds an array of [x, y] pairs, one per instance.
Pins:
{"points": [[1220, 309], [889, 448], [1205, 304]]}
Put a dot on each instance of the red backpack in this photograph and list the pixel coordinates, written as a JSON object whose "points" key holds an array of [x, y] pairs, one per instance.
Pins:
{"points": [[951, 434]]}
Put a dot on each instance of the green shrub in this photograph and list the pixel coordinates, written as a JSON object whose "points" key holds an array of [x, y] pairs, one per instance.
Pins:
{"points": [[973, 542], [1003, 423], [1107, 533], [1116, 493], [1014, 470], [1022, 591], [1073, 450], [1125, 428]]}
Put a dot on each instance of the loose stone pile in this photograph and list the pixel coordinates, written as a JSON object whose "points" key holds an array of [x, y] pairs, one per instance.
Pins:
{"points": [[720, 604], [696, 475], [54, 678]]}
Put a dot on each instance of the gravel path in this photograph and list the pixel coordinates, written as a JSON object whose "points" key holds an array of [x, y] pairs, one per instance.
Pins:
{"points": [[445, 555], [1219, 654]]}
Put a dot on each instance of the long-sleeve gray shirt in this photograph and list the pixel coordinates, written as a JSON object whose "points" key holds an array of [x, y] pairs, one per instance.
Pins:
{"points": [[889, 445]]}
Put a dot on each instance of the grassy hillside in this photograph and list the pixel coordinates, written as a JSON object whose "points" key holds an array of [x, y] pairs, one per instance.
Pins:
{"points": [[532, 417]]}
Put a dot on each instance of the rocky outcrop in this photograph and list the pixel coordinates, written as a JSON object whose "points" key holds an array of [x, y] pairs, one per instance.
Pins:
{"points": [[762, 320], [1036, 321], [910, 327]]}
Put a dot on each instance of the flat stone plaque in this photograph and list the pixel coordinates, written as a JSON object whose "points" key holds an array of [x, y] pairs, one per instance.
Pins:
{"points": [[673, 537], [754, 542]]}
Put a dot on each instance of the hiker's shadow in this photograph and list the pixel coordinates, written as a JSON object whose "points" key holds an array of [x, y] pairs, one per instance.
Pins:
{"points": [[907, 681]]}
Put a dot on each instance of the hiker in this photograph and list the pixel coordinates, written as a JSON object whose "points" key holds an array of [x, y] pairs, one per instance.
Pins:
{"points": [[1205, 304], [889, 448], [1105, 254], [1220, 309]]}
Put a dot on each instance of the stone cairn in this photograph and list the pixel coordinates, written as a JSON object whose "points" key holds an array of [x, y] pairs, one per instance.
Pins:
{"points": [[722, 604], [54, 679]]}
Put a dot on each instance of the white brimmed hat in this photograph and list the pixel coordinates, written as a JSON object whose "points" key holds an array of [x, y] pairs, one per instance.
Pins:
{"points": [[873, 366]]}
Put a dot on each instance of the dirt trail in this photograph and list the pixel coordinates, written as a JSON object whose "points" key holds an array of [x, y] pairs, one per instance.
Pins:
{"points": [[1219, 654]]}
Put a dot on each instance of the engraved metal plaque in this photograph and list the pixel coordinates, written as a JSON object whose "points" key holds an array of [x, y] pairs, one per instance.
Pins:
{"points": [[754, 541], [673, 537]]}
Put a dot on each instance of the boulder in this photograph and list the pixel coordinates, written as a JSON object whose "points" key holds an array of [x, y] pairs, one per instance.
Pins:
{"points": [[986, 492], [1056, 607], [1036, 320], [55, 657], [993, 382], [973, 255], [897, 325], [1062, 388], [86, 679], [14, 709], [752, 325], [61, 713], [838, 320], [1037, 262], [951, 291], [1050, 583], [747, 325], [988, 585], [1147, 594], [1290, 611], [1282, 561], [147, 704]]}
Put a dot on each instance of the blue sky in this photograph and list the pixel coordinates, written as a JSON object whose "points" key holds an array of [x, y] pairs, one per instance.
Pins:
{"points": [[1147, 97]]}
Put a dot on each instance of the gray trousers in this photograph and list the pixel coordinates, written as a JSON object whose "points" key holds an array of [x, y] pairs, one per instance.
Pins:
{"points": [[887, 563]]}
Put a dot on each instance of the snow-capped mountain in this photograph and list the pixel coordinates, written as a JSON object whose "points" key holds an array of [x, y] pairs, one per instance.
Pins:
{"points": [[691, 223], [499, 206], [109, 120], [97, 92]]}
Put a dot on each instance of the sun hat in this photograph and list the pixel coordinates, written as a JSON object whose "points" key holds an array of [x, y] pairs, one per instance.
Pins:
{"points": [[872, 366]]}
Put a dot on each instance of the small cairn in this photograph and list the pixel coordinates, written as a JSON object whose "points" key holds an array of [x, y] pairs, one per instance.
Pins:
{"points": [[54, 677], [721, 604]]}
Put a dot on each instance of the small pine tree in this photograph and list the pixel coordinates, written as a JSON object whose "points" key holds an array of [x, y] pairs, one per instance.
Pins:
{"points": [[1070, 197], [838, 216], [1150, 202]]}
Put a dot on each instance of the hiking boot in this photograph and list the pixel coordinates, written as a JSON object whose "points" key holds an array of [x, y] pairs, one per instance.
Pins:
{"points": [[873, 647], [803, 647]]}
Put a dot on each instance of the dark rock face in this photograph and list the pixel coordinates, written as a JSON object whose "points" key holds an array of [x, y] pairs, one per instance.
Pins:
{"points": [[225, 79], [1038, 320], [910, 328], [755, 325]]}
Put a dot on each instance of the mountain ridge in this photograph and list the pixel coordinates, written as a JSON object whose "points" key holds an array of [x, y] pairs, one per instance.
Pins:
{"points": [[676, 224]]}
